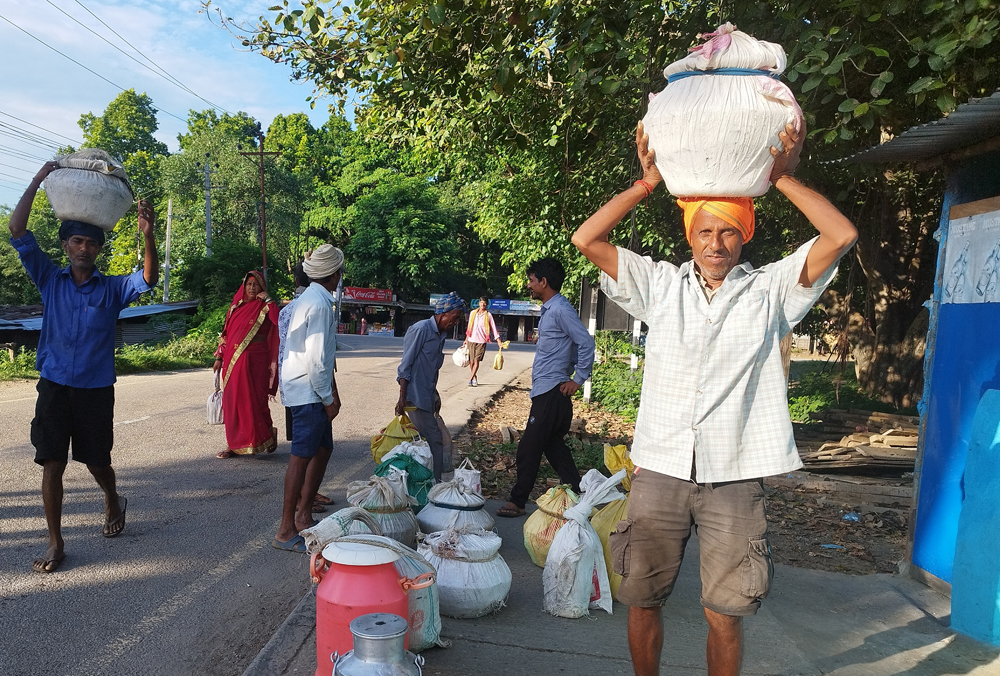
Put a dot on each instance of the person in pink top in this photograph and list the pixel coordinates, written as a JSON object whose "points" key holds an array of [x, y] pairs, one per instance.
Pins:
{"points": [[477, 334]]}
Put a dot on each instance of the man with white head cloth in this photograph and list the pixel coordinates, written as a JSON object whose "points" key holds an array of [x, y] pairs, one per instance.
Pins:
{"points": [[309, 388]]}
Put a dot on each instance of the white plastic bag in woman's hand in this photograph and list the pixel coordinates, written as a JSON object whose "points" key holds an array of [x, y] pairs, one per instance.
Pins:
{"points": [[213, 407], [461, 357]]}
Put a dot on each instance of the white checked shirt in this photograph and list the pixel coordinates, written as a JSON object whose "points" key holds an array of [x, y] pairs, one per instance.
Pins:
{"points": [[309, 356], [714, 391]]}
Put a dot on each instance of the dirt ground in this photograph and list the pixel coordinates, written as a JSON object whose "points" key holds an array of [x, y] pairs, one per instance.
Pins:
{"points": [[806, 527]]}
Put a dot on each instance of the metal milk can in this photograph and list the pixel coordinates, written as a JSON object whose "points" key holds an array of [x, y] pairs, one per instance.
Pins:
{"points": [[378, 649]]}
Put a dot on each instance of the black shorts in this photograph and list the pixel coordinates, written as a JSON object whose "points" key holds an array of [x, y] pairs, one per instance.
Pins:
{"points": [[85, 416]]}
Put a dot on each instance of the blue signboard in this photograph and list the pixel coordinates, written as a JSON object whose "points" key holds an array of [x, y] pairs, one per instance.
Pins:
{"points": [[499, 304]]}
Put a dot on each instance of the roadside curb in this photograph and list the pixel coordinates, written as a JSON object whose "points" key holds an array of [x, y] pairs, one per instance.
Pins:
{"points": [[275, 657]]}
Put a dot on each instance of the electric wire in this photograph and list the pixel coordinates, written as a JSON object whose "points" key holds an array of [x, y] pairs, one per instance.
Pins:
{"points": [[19, 137], [11, 166], [54, 133], [24, 155], [29, 135], [16, 178], [169, 78], [89, 70]]}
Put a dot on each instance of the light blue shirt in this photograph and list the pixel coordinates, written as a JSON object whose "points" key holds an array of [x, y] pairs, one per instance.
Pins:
{"points": [[309, 357], [563, 345], [423, 355]]}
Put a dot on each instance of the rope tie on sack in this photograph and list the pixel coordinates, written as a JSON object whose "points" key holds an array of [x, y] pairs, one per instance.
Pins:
{"points": [[552, 514], [722, 71], [386, 510], [460, 508]]}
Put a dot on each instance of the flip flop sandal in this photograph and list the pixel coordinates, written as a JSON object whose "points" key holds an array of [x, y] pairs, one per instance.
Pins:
{"points": [[46, 566], [509, 513], [224, 455], [296, 544], [318, 508], [106, 532], [322, 499]]}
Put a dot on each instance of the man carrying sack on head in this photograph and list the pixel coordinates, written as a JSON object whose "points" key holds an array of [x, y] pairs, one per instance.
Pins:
{"points": [[417, 375], [713, 420], [309, 388], [478, 333], [76, 359]]}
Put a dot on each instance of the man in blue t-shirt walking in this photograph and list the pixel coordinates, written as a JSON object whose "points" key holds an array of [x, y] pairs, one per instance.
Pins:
{"points": [[76, 359]]}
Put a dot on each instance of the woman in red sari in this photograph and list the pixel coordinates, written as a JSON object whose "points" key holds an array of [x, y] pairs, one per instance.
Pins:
{"points": [[248, 359]]}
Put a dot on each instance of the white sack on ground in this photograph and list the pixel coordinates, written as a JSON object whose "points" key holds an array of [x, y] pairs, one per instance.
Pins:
{"points": [[425, 611], [712, 133], [335, 526], [418, 450], [452, 504], [575, 579], [473, 578], [594, 479], [386, 500], [90, 186]]}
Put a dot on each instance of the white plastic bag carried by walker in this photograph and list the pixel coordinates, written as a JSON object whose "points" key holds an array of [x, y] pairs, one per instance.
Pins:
{"points": [[418, 450], [452, 504], [90, 186], [213, 407], [470, 475], [575, 579], [386, 499], [472, 577], [461, 357], [713, 126]]}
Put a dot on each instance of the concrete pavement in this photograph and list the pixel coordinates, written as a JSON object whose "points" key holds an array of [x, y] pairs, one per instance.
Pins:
{"points": [[192, 585]]}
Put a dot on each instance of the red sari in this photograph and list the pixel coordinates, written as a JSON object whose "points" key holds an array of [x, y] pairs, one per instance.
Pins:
{"points": [[249, 370]]}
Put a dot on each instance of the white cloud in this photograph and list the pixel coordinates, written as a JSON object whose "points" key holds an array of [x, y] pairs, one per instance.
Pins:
{"points": [[50, 91]]}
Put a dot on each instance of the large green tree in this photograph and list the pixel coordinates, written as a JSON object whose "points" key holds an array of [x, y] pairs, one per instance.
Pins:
{"points": [[16, 288], [534, 103]]}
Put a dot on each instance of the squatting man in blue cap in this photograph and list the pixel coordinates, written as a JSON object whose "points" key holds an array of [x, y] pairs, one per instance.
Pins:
{"points": [[417, 375], [76, 358]]}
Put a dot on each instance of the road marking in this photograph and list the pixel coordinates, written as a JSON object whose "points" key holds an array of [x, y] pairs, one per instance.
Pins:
{"points": [[129, 422], [195, 591]]}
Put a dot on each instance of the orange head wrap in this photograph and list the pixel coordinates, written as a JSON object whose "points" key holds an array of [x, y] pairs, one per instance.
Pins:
{"points": [[737, 211]]}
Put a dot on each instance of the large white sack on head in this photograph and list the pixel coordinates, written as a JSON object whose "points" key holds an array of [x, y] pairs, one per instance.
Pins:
{"points": [[452, 504], [472, 577], [90, 186], [575, 579], [386, 499], [712, 133]]}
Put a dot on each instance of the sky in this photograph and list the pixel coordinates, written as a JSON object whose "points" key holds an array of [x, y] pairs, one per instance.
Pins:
{"points": [[42, 88]]}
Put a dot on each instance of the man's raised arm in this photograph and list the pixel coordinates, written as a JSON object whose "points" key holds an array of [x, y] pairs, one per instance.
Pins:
{"points": [[836, 233], [591, 238], [19, 217]]}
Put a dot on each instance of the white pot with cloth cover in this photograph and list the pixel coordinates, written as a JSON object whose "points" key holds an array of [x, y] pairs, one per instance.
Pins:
{"points": [[712, 127], [473, 578], [386, 500], [452, 504]]}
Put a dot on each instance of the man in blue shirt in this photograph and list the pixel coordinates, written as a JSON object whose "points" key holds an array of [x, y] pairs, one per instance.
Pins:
{"points": [[76, 358], [417, 375], [564, 346]]}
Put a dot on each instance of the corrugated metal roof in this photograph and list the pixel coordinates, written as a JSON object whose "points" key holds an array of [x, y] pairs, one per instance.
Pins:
{"points": [[969, 124], [35, 323]]}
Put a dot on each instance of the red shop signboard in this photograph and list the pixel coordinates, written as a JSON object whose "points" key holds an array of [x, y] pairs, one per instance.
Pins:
{"points": [[375, 295]]}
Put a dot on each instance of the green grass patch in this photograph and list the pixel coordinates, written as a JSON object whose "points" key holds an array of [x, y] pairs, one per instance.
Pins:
{"points": [[812, 390], [21, 367], [616, 388]]}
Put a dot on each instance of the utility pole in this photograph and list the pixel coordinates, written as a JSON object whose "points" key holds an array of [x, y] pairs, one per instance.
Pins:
{"points": [[208, 202], [260, 154], [166, 257]]}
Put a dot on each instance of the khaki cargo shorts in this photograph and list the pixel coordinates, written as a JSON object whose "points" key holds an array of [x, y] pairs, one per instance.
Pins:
{"points": [[647, 547]]}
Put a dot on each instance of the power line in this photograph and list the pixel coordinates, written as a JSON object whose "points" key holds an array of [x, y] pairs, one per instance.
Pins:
{"points": [[30, 135], [94, 72], [21, 137], [42, 128], [16, 178], [15, 151], [169, 78], [11, 166]]}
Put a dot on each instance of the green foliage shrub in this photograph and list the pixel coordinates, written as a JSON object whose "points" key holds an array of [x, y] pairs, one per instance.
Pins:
{"points": [[214, 280], [22, 366], [818, 391], [615, 387]]}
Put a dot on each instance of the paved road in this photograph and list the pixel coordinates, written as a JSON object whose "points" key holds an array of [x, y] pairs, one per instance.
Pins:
{"points": [[192, 585]]}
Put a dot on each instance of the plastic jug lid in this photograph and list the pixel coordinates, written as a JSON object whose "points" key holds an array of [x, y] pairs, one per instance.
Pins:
{"points": [[354, 554], [378, 626]]}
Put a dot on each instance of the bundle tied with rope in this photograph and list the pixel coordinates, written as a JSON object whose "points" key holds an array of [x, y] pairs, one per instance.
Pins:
{"points": [[605, 521], [473, 578], [90, 187], [452, 504], [541, 527], [385, 498]]}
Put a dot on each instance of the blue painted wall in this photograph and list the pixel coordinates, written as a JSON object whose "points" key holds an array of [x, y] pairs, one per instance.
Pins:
{"points": [[963, 361]]}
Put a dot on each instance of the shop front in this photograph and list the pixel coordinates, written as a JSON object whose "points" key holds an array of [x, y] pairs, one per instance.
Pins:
{"points": [[370, 312]]}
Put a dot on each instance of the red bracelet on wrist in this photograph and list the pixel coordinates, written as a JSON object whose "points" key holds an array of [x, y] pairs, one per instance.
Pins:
{"points": [[645, 186]]}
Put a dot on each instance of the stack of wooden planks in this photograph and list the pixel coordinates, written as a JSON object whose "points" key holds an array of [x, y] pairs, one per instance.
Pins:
{"points": [[855, 439]]}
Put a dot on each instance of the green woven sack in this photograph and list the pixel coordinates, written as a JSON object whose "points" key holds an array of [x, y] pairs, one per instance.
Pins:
{"points": [[419, 479]]}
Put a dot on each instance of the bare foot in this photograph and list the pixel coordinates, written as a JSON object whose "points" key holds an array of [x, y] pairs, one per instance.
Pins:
{"points": [[51, 561]]}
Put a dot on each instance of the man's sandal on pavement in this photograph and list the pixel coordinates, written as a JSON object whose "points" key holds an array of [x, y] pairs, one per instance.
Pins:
{"points": [[296, 544], [112, 528], [510, 512], [44, 565]]}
